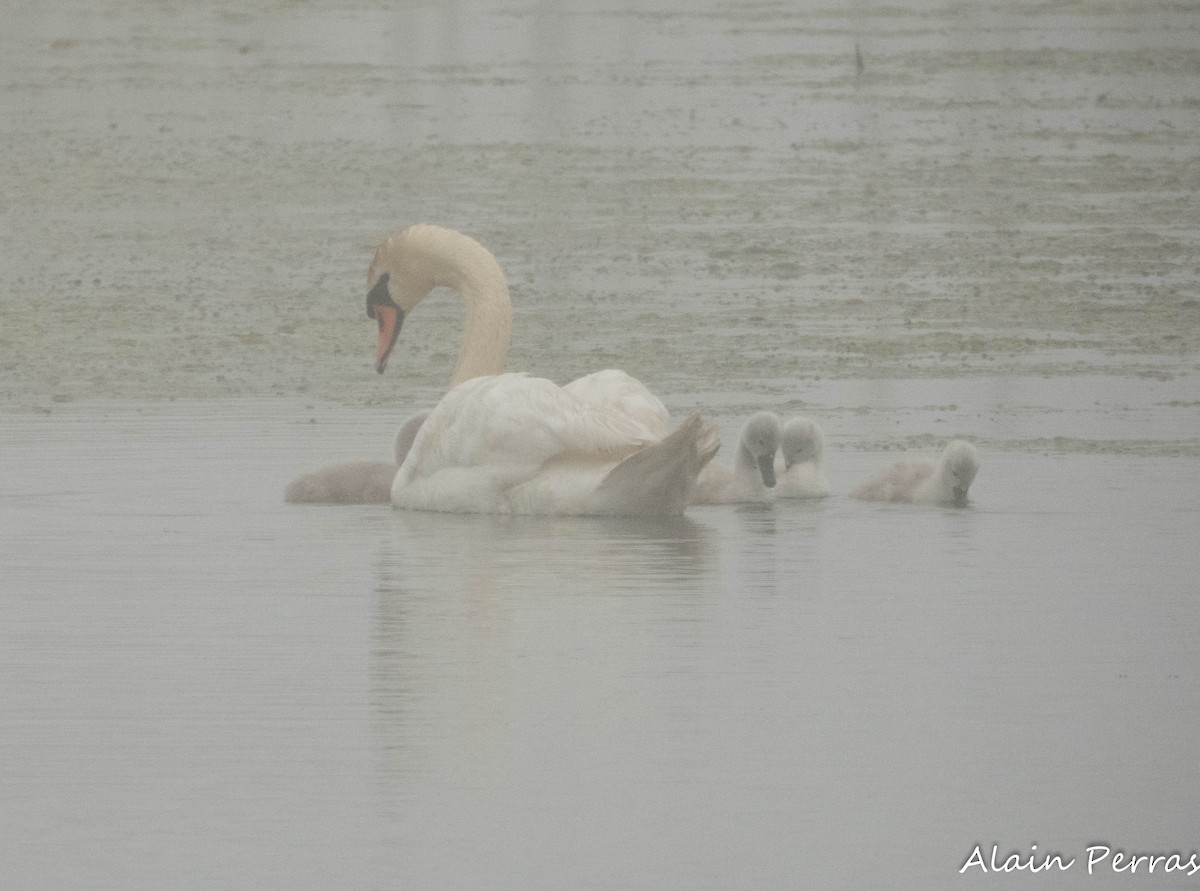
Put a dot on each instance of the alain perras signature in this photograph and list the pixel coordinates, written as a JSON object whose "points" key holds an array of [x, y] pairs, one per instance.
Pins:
{"points": [[1101, 858]]}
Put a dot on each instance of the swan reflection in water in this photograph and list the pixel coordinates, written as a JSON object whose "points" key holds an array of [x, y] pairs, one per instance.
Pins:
{"points": [[493, 555], [473, 612]]}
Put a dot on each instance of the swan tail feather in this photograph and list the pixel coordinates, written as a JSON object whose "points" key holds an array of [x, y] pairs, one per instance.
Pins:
{"points": [[661, 478]]}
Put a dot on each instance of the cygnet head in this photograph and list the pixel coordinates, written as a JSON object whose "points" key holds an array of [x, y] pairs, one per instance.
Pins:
{"points": [[960, 463], [801, 440], [758, 443]]}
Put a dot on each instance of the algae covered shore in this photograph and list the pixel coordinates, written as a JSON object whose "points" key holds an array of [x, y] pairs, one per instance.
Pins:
{"points": [[735, 205]]}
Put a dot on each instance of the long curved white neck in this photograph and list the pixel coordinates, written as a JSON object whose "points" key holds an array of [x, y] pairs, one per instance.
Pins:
{"points": [[487, 327], [487, 330], [448, 258]]}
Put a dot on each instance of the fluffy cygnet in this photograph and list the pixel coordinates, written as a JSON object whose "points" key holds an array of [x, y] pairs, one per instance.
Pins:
{"points": [[752, 476], [359, 482], [798, 468], [945, 482]]}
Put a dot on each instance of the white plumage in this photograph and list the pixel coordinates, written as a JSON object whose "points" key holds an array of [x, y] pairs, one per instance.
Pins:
{"points": [[923, 481], [799, 469], [752, 475], [508, 442]]}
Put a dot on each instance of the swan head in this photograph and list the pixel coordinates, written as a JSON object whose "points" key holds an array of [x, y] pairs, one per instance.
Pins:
{"points": [[398, 279], [960, 463], [388, 315], [758, 442], [411, 263], [800, 441]]}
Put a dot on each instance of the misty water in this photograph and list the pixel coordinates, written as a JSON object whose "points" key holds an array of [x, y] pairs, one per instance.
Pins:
{"points": [[909, 221]]}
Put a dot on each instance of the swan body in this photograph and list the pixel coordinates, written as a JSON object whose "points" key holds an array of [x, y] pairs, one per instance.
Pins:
{"points": [[798, 469], [944, 482], [752, 476], [616, 391], [358, 482], [511, 443]]}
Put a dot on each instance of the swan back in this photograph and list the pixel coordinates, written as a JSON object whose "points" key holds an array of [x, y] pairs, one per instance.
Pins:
{"points": [[514, 443], [617, 391]]}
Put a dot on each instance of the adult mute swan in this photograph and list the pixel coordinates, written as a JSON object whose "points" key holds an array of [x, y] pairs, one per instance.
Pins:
{"points": [[510, 443], [752, 476], [359, 482], [945, 482], [798, 469]]}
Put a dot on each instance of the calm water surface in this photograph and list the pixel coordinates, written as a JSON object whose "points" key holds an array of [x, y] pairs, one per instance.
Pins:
{"points": [[206, 687], [912, 220]]}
